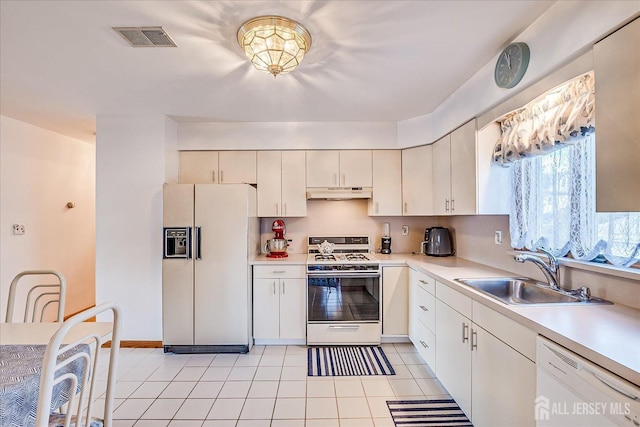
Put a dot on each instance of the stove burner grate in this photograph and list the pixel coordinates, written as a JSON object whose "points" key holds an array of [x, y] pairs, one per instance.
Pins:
{"points": [[321, 257]]}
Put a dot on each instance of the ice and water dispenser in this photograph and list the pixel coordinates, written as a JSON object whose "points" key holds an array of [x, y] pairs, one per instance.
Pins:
{"points": [[177, 242]]}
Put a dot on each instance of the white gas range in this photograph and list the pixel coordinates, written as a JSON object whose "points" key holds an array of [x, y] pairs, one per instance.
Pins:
{"points": [[343, 292]]}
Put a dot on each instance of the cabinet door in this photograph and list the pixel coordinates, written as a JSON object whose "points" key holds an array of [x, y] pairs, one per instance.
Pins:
{"points": [[417, 190], [237, 167], [266, 308], [463, 170], [395, 300], [355, 168], [453, 358], [198, 167], [387, 183], [269, 183], [294, 185], [323, 168], [442, 176], [293, 321], [617, 72], [499, 370]]}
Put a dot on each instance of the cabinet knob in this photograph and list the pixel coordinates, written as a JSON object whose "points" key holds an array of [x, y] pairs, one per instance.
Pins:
{"points": [[465, 332], [424, 344], [213, 176], [446, 205], [405, 207], [453, 205], [423, 308], [221, 177]]}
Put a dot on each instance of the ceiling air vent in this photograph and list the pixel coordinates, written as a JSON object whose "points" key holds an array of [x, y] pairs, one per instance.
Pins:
{"points": [[145, 36]]}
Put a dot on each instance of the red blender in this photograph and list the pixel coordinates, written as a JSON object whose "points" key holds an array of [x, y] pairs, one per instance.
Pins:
{"points": [[277, 247]]}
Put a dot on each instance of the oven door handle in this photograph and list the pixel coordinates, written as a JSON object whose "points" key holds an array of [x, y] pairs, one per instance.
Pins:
{"points": [[343, 274]]}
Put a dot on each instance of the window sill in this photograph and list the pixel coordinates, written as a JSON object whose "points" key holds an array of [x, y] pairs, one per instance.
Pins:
{"points": [[607, 269]]}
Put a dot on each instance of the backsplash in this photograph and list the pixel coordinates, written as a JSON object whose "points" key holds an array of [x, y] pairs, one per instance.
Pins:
{"points": [[474, 239], [349, 218]]}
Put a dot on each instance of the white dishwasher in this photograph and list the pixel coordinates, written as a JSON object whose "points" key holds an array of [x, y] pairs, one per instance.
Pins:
{"points": [[572, 391]]}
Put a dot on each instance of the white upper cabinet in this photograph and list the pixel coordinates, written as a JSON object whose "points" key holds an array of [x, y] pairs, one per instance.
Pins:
{"points": [[387, 183], [463, 169], [333, 168], [442, 176], [617, 74], [217, 167], [281, 183], [294, 187], [356, 168], [237, 167], [454, 172], [269, 192], [417, 190], [198, 167]]}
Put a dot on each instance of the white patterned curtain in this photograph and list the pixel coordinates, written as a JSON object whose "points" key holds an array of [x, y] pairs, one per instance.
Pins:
{"points": [[553, 206], [552, 121]]}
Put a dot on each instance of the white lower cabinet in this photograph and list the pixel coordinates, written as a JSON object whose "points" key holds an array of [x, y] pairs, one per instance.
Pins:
{"points": [[453, 355], [279, 308], [477, 367], [422, 319], [395, 301]]}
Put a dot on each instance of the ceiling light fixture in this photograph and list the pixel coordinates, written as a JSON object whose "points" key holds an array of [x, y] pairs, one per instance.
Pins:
{"points": [[274, 43]]}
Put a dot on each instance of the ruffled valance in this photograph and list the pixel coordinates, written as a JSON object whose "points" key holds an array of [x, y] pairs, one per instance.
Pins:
{"points": [[552, 121]]}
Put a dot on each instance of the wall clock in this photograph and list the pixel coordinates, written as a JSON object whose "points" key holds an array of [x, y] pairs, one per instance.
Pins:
{"points": [[511, 65]]}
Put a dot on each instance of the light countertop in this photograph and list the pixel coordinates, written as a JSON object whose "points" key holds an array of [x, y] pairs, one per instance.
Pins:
{"points": [[608, 335]]}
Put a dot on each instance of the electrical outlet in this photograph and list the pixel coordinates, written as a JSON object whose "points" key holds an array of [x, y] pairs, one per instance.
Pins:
{"points": [[405, 230], [498, 237], [18, 229]]}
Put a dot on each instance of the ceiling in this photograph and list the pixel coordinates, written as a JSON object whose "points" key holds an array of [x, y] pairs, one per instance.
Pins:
{"points": [[61, 64]]}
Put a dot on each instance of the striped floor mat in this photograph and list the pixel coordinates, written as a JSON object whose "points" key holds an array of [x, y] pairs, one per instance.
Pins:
{"points": [[427, 413], [347, 361]]}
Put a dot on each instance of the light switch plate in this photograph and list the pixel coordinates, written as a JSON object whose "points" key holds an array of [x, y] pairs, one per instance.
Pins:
{"points": [[498, 237], [405, 230]]}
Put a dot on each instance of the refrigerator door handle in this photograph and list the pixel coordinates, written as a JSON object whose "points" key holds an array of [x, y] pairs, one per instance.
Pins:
{"points": [[188, 243], [198, 243]]}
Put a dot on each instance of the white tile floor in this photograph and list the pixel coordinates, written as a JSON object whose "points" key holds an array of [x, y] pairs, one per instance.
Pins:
{"points": [[266, 387]]}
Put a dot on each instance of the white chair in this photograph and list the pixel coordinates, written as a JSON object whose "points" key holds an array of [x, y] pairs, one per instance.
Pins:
{"points": [[39, 297], [78, 383]]}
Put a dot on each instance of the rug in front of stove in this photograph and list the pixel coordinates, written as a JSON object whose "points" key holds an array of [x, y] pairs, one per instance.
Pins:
{"points": [[348, 361], [427, 413]]}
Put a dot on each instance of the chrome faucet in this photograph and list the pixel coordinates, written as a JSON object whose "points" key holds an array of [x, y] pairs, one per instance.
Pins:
{"points": [[550, 270]]}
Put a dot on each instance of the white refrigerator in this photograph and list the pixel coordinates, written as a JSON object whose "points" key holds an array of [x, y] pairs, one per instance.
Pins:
{"points": [[210, 232]]}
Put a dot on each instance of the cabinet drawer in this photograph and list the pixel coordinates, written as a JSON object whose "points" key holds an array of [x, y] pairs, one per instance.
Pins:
{"points": [[426, 282], [454, 299], [425, 307], [279, 271], [345, 333], [425, 342]]}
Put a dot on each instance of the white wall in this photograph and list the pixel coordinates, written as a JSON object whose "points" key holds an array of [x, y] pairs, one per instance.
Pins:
{"points": [[286, 135], [40, 171], [130, 170]]}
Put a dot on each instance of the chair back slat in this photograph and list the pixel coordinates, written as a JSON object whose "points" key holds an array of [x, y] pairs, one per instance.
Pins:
{"points": [[34, 302]]}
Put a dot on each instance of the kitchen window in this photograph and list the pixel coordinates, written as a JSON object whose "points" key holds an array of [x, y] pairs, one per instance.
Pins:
{"points": [[550, 146]]}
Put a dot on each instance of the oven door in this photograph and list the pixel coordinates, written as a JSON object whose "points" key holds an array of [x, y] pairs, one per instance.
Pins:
{"points": [[343, 308], [343, 297]]}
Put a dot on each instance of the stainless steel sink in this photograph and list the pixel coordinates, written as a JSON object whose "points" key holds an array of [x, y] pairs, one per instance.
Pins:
{"points": [[524, 291]]}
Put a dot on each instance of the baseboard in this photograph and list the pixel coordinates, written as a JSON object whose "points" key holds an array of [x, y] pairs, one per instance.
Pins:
{"points": [[136, 344], [394, 339]]}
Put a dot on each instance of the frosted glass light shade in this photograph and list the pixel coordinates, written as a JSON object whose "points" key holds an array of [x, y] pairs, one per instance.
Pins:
{"points": [[274, 43]]}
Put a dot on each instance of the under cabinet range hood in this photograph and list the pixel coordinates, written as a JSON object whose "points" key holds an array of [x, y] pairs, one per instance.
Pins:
{"points": [[339, 193]]}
